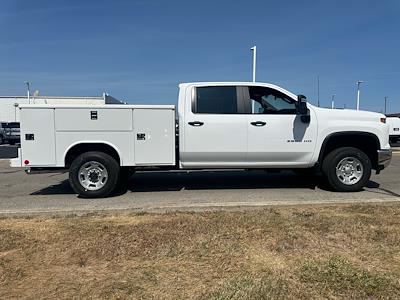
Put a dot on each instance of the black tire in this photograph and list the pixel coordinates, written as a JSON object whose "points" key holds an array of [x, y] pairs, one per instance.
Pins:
{"points": [[332, 160], [110, 165]]}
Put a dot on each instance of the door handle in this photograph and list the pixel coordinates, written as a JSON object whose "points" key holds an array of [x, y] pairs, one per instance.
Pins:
{"points": [[196, 123], [258, 123]]}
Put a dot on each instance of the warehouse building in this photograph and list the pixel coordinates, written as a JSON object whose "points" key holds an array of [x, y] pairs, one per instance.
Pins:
{"points": [[9, 111]]}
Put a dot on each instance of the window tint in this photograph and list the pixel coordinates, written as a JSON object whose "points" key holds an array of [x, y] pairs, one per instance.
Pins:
{"points": [[216, 100], [264, 100]]}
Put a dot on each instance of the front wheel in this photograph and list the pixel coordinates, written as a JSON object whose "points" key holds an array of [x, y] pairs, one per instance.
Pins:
{"points": [[346, 169], [94, 174]]}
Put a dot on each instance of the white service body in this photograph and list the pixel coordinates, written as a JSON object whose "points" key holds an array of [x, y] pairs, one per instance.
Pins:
{"points": [[58, 128]]}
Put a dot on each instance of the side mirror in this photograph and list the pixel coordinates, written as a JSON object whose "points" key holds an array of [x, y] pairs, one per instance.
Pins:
{"points": [[301, 105], [302, 110]]}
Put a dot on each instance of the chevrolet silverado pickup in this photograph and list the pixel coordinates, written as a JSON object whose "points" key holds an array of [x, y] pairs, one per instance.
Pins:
{"points": [[220, 125]]}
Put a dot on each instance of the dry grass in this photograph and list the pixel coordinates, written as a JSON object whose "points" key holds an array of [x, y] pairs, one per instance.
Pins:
{"points": [[300, 253]]}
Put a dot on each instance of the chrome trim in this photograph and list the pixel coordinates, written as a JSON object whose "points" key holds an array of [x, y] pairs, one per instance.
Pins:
{"points": [[384, 157]]}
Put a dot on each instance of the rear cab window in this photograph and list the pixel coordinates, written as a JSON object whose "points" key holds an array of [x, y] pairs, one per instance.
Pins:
{"points": [[215, 100]]}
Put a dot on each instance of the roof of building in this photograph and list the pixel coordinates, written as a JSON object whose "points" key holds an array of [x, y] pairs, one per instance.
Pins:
{"points": [[393, 115]]}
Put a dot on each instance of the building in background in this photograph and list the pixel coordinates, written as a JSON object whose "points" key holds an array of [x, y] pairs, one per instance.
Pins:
{"points": [[9, 111], [393, 115]]}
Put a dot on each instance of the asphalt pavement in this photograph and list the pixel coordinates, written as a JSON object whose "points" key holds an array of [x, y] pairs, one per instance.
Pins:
{"points": [[201, 190]]}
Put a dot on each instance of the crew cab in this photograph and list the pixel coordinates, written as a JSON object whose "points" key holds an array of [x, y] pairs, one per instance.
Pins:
{"points": [[220, 125]]}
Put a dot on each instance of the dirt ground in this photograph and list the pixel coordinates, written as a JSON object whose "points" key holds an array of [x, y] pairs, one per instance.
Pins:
{"points": [[303, 252]]}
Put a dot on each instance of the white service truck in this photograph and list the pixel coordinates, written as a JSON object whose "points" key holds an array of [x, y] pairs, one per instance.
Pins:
{"points": [[394, 129], [223, 125]]}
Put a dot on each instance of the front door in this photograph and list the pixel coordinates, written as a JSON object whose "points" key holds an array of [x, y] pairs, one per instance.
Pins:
{"points": [[215, 134], [276, 134]]}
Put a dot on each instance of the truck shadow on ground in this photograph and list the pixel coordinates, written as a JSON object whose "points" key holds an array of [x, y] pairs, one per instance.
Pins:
{"points": [[211, 180]]}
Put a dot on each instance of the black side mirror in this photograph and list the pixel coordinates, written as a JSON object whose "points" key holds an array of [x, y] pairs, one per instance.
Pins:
{"points": [[301, 105], [302, 110]]}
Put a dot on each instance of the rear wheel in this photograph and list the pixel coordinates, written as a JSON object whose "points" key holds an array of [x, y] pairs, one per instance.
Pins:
{"points": [[94, 174], [346, 169]]}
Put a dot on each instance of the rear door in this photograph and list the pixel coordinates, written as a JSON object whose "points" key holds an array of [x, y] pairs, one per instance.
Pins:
{"points": [[215, 134], [38, 136]]}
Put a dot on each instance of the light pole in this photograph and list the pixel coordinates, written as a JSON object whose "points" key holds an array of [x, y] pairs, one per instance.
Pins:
{"points": [[385, 103], [15, 111], [254, 49], [28, 85], [333, 101], [358, 93], [318, 89]]}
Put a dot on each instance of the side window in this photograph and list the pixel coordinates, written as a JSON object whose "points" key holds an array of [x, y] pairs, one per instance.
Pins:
{"points": [[215, 100], [264, 100]]}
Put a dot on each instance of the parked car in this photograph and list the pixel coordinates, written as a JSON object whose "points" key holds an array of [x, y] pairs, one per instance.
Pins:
{"points": [[222, 125], [394, 129], [9, 133], [3, 129]]}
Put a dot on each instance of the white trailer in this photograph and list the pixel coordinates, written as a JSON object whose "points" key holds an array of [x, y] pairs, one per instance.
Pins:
{"points": [[221, 125]]}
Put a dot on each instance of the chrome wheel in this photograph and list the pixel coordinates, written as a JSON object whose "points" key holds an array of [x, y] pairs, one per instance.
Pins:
{"points": [[92, 176], [349, 170]]}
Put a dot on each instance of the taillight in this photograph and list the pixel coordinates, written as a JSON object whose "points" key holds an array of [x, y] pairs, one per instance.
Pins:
{"points": [[383, 120], [26, 162]]}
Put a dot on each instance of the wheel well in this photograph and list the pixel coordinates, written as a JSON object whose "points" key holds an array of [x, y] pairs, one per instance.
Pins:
{"points": [[366, 142], [78, 149]]}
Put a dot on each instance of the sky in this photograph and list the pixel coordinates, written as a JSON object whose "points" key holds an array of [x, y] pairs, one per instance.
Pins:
{"points": [[139, 51]]}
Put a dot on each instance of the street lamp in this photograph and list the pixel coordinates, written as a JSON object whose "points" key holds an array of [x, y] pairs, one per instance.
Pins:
{"points": [[318, 88], [15, 111], [385, 103], [254, 49], [358, 93], [28, 85], [333, 101]]}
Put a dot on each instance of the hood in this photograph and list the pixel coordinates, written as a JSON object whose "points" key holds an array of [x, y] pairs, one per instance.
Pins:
{"points": [[352, 114]]}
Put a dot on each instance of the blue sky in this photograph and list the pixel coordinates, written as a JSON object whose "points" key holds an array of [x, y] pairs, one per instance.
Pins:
{"points": [[139, 51]]}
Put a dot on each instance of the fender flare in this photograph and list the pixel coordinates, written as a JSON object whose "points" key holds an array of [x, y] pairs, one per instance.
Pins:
{"points": [[345, 133], [92, 142]]}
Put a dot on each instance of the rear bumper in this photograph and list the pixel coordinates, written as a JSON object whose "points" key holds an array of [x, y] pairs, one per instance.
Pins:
{"points": [[384, 158], [16, 162], [38, 170]]}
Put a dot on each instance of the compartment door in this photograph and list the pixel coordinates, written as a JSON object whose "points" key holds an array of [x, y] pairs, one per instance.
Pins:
{"points": [[154, 134], [38, 137]]}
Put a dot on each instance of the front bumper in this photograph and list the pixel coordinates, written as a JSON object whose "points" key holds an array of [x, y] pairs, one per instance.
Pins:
{"points": [[384, 158]]}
